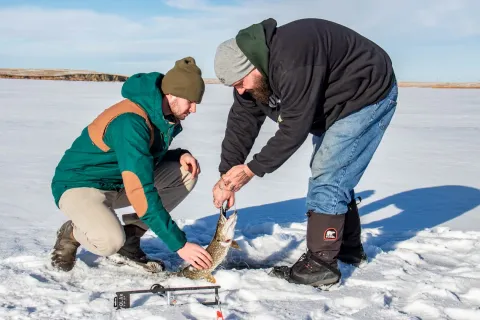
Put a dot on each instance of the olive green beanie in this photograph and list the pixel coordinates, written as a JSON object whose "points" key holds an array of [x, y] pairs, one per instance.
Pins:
{"points": [[184, 80]]}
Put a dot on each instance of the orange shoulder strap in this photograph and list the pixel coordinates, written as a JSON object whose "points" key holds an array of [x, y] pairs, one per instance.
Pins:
{"points": [[98, 127]]}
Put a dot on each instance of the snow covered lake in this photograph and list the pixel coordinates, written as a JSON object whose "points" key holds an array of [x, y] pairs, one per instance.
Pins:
{"points": [[420, 215]]}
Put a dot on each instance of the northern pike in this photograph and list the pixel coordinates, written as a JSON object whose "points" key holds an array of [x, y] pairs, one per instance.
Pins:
{"points": [[218, 248]]}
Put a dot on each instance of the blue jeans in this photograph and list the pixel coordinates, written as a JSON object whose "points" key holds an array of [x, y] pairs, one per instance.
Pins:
{"points": [[343, 152]]}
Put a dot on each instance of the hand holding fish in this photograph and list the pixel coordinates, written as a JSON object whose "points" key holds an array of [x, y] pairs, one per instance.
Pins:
{"points": [[196, 256], [189, 163], [218, 248], [222, 194], [237, 177]]}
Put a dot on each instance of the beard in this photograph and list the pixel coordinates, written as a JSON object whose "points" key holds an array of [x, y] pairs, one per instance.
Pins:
{"points": [[262, 91], [175, 108]]}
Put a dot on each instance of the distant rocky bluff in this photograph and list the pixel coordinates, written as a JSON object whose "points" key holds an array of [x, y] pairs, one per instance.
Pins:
{"points": [[85, 75], [67, 75]]}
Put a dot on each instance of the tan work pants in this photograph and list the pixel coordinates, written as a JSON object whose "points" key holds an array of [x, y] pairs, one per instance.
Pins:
{"points": [[96, 225]]}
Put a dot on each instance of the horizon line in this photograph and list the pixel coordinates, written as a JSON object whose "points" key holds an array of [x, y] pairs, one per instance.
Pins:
{"points": [[51, 74]]}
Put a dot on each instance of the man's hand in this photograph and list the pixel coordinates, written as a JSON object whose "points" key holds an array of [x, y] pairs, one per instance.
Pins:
{"points": [[189, 163], [195, 255], [221, 194], [237, 177]]}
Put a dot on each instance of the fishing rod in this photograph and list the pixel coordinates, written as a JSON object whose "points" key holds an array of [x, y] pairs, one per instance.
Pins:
{"points": [[122, 299]]}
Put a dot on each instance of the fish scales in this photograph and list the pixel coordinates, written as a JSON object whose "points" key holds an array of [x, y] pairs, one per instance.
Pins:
{"points": [[218, 248]]}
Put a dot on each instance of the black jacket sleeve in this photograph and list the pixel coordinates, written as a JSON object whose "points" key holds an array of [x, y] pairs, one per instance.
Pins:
{"points": [[244, 122], [301, 91]]}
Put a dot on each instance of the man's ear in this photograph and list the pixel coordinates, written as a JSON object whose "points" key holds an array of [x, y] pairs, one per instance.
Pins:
{"points": [[171, 98]]}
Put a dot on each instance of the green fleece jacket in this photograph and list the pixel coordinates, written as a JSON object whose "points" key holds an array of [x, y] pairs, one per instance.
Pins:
{"points": [[120, 148]]}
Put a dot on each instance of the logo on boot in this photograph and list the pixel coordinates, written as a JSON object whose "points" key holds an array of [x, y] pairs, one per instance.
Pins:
{"points": [[330, 234]]}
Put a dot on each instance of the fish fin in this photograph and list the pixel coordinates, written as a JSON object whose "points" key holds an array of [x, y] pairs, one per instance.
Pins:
{"points": [[210, 278], [235, 245]]}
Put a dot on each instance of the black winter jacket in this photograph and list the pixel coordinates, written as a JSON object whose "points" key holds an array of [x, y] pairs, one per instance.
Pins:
{"points": [[319, 72]]}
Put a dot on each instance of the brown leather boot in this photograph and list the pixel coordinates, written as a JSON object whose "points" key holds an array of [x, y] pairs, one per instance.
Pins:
{"points": [[65, 250], [132, 251]]}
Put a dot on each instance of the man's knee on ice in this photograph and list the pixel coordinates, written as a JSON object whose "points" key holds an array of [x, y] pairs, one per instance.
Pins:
{"points": [[111, 244]]}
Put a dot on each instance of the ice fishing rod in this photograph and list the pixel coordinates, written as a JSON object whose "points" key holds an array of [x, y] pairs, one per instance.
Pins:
{"points": [[122, 299]]}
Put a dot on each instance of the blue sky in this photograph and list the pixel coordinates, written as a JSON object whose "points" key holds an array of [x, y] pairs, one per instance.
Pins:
{"points": [[428, 40]]}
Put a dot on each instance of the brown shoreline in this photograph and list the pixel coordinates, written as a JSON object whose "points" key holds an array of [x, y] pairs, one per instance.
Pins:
{"points": [[87, 75]]}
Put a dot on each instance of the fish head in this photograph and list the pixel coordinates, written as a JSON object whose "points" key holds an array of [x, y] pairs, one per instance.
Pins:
{"points": [[226, 229]]}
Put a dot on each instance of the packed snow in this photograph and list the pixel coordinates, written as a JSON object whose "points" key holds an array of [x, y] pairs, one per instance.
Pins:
{"points": [[420, 215]]}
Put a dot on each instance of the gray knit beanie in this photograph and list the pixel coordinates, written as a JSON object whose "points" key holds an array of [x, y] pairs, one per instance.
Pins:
{"points": [[231, 64]]}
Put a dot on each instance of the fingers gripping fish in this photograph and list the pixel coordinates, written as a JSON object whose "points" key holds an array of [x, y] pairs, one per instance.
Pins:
{"points": [[218, 248]]}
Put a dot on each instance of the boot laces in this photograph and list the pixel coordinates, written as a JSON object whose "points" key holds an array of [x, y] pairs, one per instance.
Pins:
{"points": [[305, 261]]}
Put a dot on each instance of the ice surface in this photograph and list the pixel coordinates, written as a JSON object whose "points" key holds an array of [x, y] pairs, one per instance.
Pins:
{"points": [[420, 214]]}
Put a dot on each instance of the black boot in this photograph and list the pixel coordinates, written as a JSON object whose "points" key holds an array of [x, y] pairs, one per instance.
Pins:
{"points": [[318, 266], [131, 249], [65, 250], [351, 251]]}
